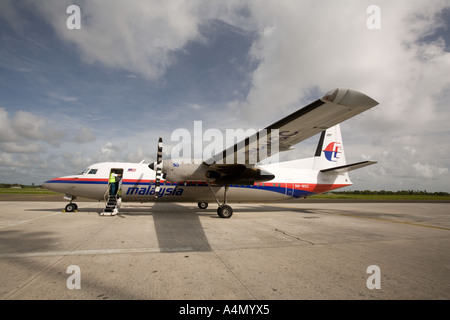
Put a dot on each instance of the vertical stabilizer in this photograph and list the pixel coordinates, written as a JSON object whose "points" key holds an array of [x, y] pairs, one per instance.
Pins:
{"points": [[330, 150]]}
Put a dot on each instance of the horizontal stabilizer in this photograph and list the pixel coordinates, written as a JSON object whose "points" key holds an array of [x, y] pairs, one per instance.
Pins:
{"points": [[349, 167]]}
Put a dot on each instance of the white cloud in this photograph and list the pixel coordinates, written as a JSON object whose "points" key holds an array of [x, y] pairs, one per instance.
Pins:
{"points": [[108, 147], [139, 37], [303, 48], [84, 135], [6, 132], [415, 161], [426, 170], [23, 147], [29, 126], [62, 97], [6, 160], [306, 46], [21, 132]]}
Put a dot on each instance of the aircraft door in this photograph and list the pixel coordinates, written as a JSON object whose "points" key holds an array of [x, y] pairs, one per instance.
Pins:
{"points": [[116, 187], [289, 188]]}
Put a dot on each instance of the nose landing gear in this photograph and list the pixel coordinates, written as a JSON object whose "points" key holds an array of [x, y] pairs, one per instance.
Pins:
{"points": [[70, 207]]}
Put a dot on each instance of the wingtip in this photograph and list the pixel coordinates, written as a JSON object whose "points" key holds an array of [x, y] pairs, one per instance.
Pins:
{"points": [[350, 98]]}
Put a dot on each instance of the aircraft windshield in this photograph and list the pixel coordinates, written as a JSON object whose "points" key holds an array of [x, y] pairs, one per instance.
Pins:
{"points": [[85, 171]]}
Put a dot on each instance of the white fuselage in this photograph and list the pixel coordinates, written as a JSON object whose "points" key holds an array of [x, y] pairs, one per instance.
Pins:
{"points": [[293, 180]]}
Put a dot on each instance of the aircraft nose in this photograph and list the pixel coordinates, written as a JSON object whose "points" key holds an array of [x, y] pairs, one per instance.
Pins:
{"points": [[47, 185]]}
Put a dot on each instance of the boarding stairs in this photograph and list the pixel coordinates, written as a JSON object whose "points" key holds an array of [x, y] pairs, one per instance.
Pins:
{"points": [[113, 202]]}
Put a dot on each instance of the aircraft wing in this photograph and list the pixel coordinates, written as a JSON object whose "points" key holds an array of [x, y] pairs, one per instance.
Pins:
{"points": [[335, 107]]}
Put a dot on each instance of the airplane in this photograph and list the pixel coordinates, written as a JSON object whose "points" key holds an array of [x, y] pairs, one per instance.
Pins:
{"points": [[224, 179]]}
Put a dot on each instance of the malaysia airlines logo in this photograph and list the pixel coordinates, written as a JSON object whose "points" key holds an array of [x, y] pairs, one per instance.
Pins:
{"points": [[332, 151]]}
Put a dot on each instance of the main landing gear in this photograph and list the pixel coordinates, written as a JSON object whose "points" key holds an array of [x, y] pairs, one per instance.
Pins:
{"points": [[224, 210]]}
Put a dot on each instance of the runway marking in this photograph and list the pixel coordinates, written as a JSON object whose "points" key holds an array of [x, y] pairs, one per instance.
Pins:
{"points": [[41, 217], [395, 221], [372, 218], [93, 252], [28, 220]]}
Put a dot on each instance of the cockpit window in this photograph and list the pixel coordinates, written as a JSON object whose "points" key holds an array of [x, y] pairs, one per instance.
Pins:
{"points": [[93, 171], [85, 171]]}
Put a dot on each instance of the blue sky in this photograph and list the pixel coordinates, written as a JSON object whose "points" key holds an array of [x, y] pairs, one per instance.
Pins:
{"points": [[136, 71]]}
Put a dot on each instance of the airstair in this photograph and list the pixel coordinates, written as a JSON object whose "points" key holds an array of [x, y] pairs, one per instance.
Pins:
{"points": [[113, 202]]}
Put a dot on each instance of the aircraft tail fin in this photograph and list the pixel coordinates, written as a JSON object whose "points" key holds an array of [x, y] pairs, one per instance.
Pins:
{"points": [[330, 150], [330, 157]]}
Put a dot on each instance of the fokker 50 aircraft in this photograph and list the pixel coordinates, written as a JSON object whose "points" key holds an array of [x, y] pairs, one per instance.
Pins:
{"points": [[231, 180]]}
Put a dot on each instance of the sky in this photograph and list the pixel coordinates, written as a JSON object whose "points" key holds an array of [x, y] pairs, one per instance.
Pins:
{"points": [[138, 70]]}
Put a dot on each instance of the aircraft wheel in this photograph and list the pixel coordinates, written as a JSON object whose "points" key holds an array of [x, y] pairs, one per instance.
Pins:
{"points": [[71, 207], [225, 211], [202, 205]]}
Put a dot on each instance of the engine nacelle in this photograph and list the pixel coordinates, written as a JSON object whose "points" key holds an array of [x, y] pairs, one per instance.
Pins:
{"points": [[247, 176], [182, 171], [175, 171]]}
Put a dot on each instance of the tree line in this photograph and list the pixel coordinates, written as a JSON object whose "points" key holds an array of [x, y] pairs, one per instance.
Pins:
{"points": [[400, 192], [17, 185]]}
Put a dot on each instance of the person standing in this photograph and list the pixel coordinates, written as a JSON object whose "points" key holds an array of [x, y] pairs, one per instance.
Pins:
{"points": [[112, 183]]}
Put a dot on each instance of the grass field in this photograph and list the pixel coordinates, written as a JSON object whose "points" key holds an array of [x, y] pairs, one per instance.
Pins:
{"points": [[381, 197], [26, 191]]}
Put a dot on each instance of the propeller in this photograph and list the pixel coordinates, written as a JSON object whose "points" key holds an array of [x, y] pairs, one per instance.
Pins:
{"points": [[157, 166]]}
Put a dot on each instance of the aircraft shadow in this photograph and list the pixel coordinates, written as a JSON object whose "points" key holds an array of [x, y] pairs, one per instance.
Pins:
{"points": [[177, 228]]}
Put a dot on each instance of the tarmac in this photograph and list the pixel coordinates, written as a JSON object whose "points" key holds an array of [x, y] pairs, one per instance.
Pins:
{"points": [[288, 251]]}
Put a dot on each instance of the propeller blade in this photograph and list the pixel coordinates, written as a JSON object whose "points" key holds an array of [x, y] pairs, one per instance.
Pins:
{"points": [[158, 168], [159, 153], [157, 182]]}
